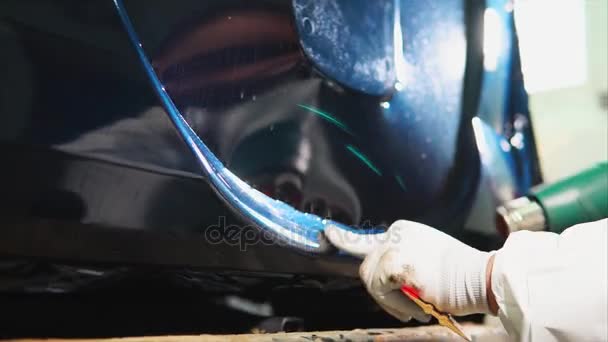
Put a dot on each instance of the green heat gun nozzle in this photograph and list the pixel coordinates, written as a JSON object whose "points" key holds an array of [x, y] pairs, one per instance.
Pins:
{"points": [[554, 207]]}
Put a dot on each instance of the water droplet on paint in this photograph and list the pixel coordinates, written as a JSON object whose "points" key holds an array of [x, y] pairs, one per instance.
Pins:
{"points": [[308, 25]]}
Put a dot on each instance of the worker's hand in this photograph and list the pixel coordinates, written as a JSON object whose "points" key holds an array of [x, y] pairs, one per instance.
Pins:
{"points": [[446, 272]]}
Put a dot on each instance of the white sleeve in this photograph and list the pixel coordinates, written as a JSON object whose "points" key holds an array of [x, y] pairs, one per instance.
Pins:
{"points": [[552, 287]]}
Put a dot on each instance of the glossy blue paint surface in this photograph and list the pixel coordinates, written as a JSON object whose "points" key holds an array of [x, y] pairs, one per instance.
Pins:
{"points": [[88, 142], [503, 102], [296, 229], [357, 157], [350, 42]]}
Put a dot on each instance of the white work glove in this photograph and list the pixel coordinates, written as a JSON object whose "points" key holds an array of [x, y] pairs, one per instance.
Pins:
{"points": [[446, 272]]}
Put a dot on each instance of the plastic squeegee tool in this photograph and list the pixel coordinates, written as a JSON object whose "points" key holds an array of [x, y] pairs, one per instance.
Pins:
{"points": [[444, 319]]}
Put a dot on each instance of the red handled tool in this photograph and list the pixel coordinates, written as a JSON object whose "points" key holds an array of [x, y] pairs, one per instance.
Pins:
{"points": [[444, 319]]}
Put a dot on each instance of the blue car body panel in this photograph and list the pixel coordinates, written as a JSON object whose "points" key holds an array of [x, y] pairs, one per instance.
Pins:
{"points": [[360, 112]]}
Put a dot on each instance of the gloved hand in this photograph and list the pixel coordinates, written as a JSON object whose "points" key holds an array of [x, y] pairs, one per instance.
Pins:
{"points": [[446, 272]]}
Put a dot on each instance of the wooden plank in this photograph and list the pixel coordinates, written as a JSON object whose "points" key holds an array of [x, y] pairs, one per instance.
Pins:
{"points": [[479, 333]]}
